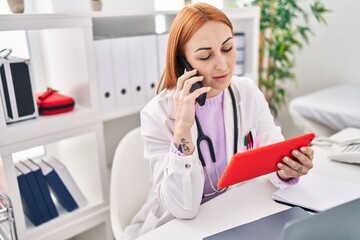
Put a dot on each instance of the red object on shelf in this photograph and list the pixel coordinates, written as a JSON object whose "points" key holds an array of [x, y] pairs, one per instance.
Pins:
{"points": [[51, 102]]}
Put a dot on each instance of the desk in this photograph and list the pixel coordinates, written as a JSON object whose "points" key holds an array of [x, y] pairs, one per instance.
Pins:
{"points": [[327, 111], [245, 203]]}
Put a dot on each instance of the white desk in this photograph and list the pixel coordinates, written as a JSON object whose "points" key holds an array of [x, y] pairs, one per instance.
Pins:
{"points": [[245, 203]]}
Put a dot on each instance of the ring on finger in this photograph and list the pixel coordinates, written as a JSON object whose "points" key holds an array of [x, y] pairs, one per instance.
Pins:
{"points": [[300, 169]]}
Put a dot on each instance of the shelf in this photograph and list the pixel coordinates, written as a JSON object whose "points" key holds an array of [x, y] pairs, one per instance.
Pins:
{"points": [[120, 114], [78, 149], [46, 125], [10, 22], [61, 52], [69, 224]]}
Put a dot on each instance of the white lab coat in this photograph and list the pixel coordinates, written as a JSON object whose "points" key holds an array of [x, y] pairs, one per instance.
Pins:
{"points": [[178, 182]]}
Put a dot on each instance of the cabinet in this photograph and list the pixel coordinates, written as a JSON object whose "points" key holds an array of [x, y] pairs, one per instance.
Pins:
{"points": [[61, 53], [63, 56]]}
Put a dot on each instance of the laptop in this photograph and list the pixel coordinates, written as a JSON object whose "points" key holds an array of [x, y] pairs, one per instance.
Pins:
{"points": [[268, 228], [338, 223]]}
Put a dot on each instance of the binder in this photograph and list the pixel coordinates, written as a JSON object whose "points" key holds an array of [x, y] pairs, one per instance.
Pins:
{"points": [[239, 39], [30, 207], [137, 68], [35, 189], [105, 75], [162, 40], [121, 68], [44, 188], [151, 67], [68, 180], [57, 186]]}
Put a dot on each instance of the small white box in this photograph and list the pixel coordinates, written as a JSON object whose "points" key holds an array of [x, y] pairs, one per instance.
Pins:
{"points": [[16, 89]]}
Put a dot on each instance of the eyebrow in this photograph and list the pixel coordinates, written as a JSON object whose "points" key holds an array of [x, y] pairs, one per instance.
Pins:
{"points": [[226, 40], [209, 48]]}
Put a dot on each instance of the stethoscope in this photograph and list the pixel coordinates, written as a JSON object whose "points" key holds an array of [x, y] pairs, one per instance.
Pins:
{"points": [[203, 137]]}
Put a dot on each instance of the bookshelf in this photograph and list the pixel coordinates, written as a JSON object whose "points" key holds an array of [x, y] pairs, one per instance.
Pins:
{"points": [[62, 52]]}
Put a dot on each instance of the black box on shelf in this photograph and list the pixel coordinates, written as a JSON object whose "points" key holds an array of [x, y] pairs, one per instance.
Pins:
{"points": [[16, 88]]}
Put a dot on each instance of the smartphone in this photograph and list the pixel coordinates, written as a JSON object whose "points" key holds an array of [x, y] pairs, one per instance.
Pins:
{"points": [[184, 64]]}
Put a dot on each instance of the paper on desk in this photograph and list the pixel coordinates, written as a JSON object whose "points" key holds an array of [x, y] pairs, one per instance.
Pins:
{"points": [[318, 192]]}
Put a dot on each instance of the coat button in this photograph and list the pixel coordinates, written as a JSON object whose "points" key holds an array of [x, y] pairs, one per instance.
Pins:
{"points": [[187, 165]]}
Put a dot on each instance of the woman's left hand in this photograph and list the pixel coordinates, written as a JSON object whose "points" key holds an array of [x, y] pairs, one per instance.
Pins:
{"points": [[297, 166]]}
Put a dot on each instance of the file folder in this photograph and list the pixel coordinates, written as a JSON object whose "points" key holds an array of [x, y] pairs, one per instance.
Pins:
{"points": [[151, 67], [104, 69], [58, 187], [68, 180], [162, 40], [35, 189], [121, 68], [44, 188], [137, 68], [30, 207]]}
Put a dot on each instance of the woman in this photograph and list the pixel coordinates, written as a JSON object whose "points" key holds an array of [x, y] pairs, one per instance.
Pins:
{"points": [[180, 184]]}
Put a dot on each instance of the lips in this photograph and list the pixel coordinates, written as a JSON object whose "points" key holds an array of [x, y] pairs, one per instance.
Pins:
{"points": [[221, 78]]}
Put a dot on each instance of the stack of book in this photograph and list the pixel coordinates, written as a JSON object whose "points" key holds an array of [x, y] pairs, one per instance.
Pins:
{"points": [[41, 179]]}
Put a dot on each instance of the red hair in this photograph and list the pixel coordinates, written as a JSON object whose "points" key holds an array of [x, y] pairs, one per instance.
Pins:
{"points": [[186, 23]]}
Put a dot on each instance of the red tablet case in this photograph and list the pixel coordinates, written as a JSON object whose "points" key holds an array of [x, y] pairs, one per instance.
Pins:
{"points": [[260, 161]]}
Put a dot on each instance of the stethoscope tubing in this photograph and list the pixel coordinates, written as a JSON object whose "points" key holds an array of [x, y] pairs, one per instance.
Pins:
{"points": [[203, 137]]}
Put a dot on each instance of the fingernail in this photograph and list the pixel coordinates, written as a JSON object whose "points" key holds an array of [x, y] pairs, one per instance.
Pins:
{"points": [[286, 159], [295, 152], [279, 165], [303, 149]]}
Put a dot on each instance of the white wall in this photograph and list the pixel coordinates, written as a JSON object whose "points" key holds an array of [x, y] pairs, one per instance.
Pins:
{"points": [[332, 57]]}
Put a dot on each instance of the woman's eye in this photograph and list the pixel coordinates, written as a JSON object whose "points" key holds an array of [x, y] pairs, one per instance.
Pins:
{"points": [[205, 58], [227, 49]]}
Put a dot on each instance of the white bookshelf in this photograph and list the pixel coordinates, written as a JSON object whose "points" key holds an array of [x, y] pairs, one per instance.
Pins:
{"points": [[61, 53], [62, 56]]}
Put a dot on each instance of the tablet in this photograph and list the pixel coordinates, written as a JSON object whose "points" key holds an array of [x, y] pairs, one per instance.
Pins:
{"points": [[260, 161]]}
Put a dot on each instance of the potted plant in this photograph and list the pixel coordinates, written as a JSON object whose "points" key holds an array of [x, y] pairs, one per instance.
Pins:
{"points": [[284, 26]]}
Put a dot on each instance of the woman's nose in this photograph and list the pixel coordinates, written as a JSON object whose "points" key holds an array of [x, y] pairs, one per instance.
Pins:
{"points": [[220, 63]]}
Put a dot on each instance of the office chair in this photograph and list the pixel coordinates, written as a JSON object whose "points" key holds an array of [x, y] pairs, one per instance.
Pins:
{"points": [[130, 181]]}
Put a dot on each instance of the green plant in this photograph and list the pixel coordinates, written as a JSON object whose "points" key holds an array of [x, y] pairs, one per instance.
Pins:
{"points": [[284, 26]]}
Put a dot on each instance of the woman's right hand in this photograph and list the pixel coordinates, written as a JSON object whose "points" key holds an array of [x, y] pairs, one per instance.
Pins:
{"points": [[184, 101], [184, 105]]}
